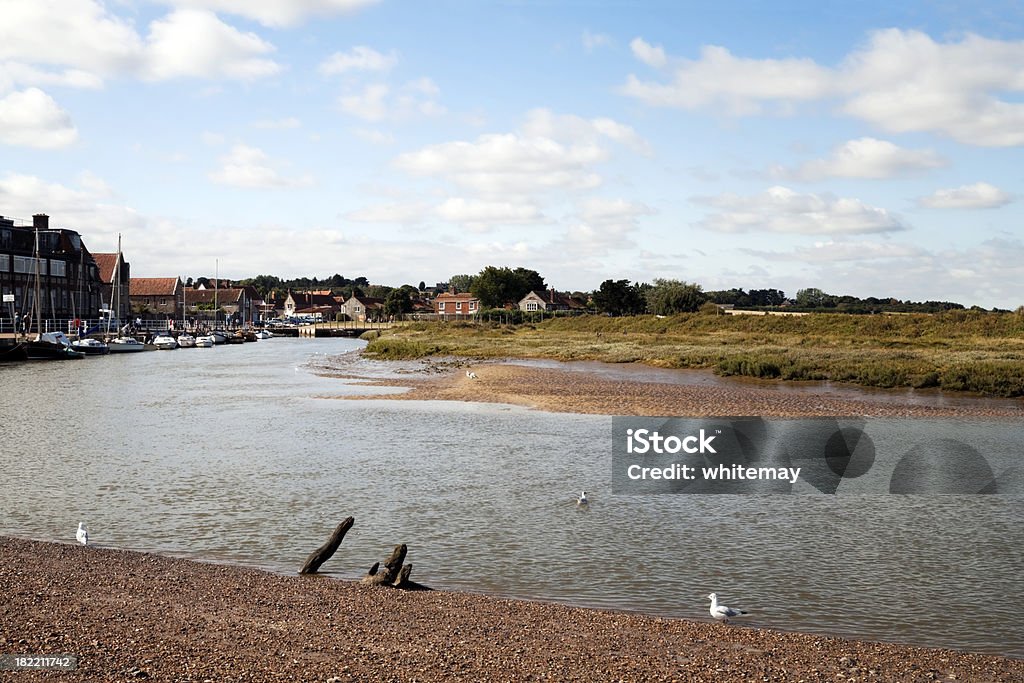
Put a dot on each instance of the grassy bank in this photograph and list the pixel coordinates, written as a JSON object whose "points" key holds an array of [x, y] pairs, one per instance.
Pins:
{"points": [[957, 350]]}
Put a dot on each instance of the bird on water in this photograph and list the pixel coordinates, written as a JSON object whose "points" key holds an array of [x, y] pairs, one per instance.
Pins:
{"points": [[82, 534], [721, 611], [582, 500]]}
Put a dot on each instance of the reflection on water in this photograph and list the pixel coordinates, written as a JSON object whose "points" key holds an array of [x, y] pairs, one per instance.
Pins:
{"points": [[238, 454]]}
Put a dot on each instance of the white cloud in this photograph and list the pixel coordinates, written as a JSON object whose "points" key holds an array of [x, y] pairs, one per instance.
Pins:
{"points": [[359, 58], [604, 225], [13, 74], [391, 213], [543, 123], [479, 216], [866, 158], [781, 210], [374, 137], [246, 166], [278, 12], [592, 41], [900, 81], [833, 251], [195, 43], [30, 118], [379, 102], [648, 54], [976, 196], [77, 33], [720, 79], [500, 164], [86, 209]]}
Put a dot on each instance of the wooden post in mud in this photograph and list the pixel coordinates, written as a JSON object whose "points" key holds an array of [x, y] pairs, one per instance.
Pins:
{"points": [[394, 573], [324, 552]]}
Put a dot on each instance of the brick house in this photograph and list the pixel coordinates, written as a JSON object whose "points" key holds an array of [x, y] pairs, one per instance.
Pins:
{"points": [[448, 304], [160, 297], [304, 303], [107, 263]]}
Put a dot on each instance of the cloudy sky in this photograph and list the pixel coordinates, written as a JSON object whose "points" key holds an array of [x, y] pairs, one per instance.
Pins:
{"points": [[870, 148]]}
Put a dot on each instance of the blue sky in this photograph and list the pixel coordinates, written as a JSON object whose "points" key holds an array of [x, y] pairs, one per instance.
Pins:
{"points": [[862, 148]]}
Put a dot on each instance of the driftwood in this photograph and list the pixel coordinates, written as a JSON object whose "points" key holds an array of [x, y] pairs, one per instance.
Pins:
{"points": [[324, 552], [394, 573]]}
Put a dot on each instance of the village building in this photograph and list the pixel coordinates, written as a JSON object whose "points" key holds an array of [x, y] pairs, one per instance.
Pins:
{"points": [[157, 297], [456, 305], [549, 301], [236, 305], [320, 304], [363, 308], [69, 278]]}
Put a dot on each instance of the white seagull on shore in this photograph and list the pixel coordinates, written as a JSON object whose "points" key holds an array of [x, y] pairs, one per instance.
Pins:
{"points": [[582, 500], [82, 534], [721, 611], [470, 374]]}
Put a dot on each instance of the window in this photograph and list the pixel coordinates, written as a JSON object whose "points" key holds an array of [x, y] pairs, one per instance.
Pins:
{"points": [[531, 305], [440, 306], [458, 305], [5, 263], [472, 305]]}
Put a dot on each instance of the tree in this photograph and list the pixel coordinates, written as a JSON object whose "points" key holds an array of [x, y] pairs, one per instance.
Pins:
{"points": [[619, 297], [423, 286], [496, 287], [812, 297], [461, 283], [398, 301], [668, 297]]}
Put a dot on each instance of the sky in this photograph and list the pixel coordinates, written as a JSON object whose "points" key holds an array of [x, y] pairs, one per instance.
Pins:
{"points": [[869, 148]]}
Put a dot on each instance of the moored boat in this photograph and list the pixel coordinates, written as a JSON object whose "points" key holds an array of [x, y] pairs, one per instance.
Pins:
{"points": [[264, 334], [51, 346], [186, 340], [205, 341], [10, 352], [125, 345], [90, 346], [165, 342]]}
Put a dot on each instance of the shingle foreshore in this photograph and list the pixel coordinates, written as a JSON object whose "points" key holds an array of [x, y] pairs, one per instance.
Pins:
{"points": [[137, 616]]}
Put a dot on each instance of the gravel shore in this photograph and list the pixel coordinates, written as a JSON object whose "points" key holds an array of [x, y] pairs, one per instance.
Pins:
{"points": [[572, 391], [133, 616]]}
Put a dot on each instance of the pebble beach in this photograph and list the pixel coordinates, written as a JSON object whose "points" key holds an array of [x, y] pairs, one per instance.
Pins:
{"points": [[133, 616]]}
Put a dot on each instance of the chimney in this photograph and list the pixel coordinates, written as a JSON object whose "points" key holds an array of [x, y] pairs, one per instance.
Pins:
{"points": [[41, 221], [552, 295]]}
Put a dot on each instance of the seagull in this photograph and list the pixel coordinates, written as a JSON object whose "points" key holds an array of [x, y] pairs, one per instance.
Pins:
{"points": [[582, 500], [721, 611], [82, 534], [470, 374]]}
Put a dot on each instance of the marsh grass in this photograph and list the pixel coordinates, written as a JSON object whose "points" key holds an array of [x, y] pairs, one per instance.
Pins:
{"points": [[957, 350]]}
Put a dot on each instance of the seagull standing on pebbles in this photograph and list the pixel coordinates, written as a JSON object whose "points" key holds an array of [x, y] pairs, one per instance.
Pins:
{"points": [[721, 611], [470, 374], [82, 534]]}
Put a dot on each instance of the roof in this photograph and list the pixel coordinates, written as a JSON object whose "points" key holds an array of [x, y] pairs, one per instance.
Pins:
{"points": [[461, 296], [106, 262], [552, 297], [368, 301], [194, 297], [154, 286]]}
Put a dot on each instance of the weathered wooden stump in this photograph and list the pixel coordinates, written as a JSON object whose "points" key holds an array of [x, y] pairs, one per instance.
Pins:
{"points": [[394, 573], [324, 552]]}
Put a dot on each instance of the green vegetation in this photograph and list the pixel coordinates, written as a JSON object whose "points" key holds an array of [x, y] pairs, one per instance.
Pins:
{"points": [[955, 350]]}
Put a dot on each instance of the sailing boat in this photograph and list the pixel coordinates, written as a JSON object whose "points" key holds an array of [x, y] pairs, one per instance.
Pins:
{"points": [[86, 345], [48, 345], [122, 343]]}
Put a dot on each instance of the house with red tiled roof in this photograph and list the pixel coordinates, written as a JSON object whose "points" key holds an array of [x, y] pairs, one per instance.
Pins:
{"points": [[157, 297], [107, 265], [311, 303], [456, 305], [238, 305]]}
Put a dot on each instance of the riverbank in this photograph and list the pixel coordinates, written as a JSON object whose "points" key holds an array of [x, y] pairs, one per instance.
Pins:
{"points": [[661, 392], [139, 616]]}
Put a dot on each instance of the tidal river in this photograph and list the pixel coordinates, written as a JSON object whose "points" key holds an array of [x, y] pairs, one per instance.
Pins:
{"points": [[241, 455]]}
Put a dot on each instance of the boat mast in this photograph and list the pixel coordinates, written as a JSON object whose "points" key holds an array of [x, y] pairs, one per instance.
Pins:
{"points": [[36, 298], [115, 282]]}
